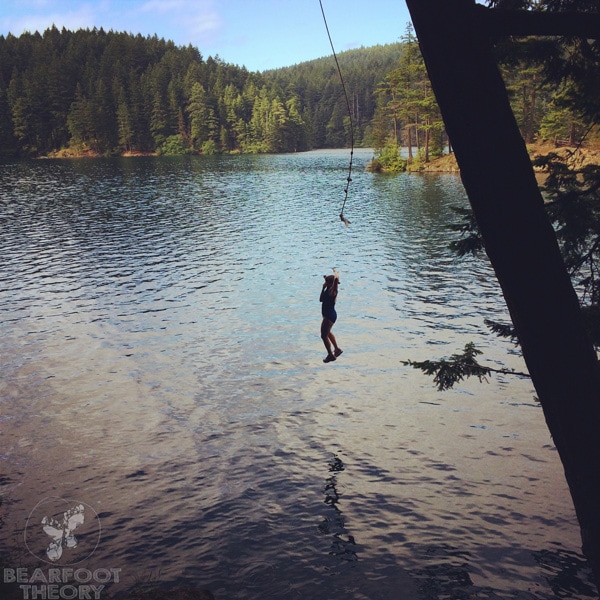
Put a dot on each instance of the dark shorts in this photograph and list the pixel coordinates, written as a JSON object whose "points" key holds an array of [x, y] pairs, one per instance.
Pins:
{"points": [[330, 315]]}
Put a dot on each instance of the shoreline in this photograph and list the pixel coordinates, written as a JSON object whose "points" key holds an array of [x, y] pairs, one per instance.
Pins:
{"points": [[87, 153], [576, 158]]}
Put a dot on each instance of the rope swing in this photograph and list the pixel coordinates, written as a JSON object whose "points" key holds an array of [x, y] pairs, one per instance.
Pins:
{"points": [[349, 178]]}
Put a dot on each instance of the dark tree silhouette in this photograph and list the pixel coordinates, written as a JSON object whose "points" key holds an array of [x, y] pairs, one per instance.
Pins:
{"points": [[455, 38]]}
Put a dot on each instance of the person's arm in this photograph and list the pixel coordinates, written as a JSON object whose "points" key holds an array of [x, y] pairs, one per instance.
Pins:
{"points": [[336, 282]]}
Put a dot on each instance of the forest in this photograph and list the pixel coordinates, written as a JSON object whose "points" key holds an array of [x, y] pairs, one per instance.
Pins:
{"points": [[109, 93], [116, 93], [407, 113]]}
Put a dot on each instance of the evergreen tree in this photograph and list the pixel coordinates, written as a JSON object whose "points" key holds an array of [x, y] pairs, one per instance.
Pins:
{"points": [[7, 140], [80, 120], [407, 103], [159, 121], [296, 138], [124, 122], [198, 116]]}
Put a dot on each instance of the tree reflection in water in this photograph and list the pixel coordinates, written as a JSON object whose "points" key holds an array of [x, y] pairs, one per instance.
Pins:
{"points": [[343, 544]]}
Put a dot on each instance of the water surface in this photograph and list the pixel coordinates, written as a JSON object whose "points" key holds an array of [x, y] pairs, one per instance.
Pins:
{"points": [[161, 364]]}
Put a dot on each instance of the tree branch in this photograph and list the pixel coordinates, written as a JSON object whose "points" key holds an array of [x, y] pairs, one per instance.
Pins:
{"points": [[500, 22], [449, 371]]}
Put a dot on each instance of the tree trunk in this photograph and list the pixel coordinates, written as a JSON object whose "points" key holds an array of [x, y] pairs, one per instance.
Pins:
{"points": [[572, 136], [427, 138], [520, 242]]}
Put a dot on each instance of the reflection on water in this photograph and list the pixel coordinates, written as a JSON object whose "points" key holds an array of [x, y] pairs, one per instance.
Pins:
{"points": [[162, 366]]}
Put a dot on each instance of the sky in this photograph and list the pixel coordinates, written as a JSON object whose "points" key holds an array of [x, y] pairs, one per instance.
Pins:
{"points": [[257, 34]]}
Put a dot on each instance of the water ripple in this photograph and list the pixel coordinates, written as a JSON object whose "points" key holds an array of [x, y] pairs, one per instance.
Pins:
{"points": [[162, 363]]}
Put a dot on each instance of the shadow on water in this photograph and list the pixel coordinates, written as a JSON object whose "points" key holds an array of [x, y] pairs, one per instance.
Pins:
{"points": [[567, 573], [442, 571], [446, 573], [343, 544]]}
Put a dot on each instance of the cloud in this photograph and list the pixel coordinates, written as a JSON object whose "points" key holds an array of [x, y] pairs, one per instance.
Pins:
{"points": [[81, 17], [195, 22], [189, 21]]}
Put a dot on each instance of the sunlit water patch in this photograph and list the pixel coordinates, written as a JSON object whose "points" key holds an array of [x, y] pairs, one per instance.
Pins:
{"points": [[162, 367]]}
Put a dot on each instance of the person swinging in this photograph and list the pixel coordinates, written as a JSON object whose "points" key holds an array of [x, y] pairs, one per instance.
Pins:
{"points": [[328, 297]]}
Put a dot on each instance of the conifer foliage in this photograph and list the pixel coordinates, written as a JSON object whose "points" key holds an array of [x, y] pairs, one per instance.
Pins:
{"points": [[407, 113], [113, 93]]}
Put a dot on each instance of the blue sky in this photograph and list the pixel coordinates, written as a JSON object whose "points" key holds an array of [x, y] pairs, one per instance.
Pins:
{"points": [[259, 34]]}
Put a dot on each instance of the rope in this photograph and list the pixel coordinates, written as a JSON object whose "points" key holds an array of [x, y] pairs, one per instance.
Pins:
{"points": [[349, 178]]}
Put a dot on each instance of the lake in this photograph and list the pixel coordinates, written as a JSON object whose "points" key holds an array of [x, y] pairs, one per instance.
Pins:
{"points": [[167, 418]]}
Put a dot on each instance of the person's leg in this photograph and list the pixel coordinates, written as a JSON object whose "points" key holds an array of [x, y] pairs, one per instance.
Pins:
{"points": [[337, 349], [326, 326]]}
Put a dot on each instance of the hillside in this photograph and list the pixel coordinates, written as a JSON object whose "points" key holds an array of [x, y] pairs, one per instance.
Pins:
{"points": [[318, 84], [108, 93]]}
